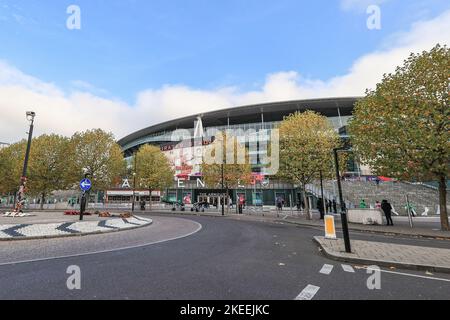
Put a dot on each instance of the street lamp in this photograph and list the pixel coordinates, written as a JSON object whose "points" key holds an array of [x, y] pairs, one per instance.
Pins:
{"points": [[23, 180], [344, 221]]}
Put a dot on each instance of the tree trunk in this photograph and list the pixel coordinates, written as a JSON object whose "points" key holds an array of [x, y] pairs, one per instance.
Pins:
{"points": [[150, 202], [228, 201], [443, 203], [306, 200], [42, 201], [14, 201]]}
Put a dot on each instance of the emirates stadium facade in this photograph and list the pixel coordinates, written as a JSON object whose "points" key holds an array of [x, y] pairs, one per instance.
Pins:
{"points": [[261, 117]]}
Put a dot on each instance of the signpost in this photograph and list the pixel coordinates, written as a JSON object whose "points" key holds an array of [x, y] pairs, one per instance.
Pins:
{"points": [[85, 186]]}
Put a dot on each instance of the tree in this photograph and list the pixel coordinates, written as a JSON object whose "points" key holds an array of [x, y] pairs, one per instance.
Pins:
{"points": [[231, 155], [402, 128], [11, 162], [96, 152], [51, 158], [307, 141], [153, 169]]}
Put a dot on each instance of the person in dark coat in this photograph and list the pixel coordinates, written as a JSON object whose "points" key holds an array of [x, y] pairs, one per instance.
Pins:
{"points": [[320, 208], [387, 209], [334, 206]]}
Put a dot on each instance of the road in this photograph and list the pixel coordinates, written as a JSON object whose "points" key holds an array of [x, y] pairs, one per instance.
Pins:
{"points": [[205, 258]]}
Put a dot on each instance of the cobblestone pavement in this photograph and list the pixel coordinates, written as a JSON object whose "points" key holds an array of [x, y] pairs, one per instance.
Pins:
{"points": [[388, 254], [28, 230]]}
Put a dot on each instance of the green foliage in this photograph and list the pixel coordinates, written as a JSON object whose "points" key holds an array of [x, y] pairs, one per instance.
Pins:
{"points": [[153, 169], [11, 162], [234, 173], [98, 153], [49, 165], [307, 141], [402, 128]]}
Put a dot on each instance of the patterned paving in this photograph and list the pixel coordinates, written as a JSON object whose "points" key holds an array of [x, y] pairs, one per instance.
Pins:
{"points": [[23, 231]]}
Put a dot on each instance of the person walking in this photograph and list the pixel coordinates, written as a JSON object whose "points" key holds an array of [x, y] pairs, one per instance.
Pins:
{"points": [[387, 209], [320, 208]]}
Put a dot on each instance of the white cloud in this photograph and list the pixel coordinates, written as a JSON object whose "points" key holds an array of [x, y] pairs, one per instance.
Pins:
{"points": [[66, 113]]}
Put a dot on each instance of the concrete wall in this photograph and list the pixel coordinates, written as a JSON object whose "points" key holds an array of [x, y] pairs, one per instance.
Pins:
{"points": [[365, 216]]}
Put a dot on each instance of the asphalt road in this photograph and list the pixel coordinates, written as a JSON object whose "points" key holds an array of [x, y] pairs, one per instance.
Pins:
{"points": [[224, 259]]}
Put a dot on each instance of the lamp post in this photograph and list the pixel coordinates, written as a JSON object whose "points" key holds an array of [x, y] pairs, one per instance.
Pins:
{"points": [[344, 221], [23, 180]]}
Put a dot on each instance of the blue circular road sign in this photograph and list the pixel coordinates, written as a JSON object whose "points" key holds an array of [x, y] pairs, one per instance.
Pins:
{"points": [[85, 184]]}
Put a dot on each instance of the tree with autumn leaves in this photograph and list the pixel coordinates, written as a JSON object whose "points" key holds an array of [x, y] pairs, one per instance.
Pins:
{"points": [[402, 128], [57, 163], [307, 141], [153, 170], [228, 154]]}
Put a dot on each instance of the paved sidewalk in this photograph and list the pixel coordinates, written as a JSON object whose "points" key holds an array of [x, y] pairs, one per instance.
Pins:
{"points": [[387, 254]]}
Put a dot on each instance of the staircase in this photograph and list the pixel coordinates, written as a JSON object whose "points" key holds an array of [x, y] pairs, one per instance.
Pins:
{"points": [[423, 198]]}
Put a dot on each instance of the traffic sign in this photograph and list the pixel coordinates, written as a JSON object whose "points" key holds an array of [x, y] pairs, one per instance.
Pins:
{"points": [[330, 229], [85, 184]]}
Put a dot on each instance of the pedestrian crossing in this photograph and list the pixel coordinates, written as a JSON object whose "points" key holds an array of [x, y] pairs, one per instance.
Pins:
{"points": [[310, 291]]}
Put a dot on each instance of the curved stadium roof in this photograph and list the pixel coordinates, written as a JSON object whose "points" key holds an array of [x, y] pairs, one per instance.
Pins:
{"points": [[275, 111]]}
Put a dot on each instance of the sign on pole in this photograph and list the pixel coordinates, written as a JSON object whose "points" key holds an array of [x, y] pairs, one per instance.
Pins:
{"points": [[85, 184]]}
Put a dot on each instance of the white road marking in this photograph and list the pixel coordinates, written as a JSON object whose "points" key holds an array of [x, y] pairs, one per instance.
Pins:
{"points": [[104, 251], [348, 268], [410, 275], [308, 293], [326, 269]]}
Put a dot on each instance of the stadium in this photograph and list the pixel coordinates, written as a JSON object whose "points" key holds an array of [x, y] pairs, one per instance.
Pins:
{"points": [[259, 117]]}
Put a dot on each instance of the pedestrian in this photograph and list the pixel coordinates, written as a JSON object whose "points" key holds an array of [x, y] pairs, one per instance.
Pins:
{"points": [[362, 204], [241, 203], [377, 181], [377, 205], [334, 206], [387, 209], [279, 204], [320, 208]]}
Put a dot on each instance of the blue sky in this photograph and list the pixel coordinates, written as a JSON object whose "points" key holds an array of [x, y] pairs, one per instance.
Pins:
{"points": [[126, 46], [128, 49]]}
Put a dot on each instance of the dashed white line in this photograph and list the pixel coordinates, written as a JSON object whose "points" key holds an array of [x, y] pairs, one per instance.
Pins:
{"points": [[308, 293], [348, 268], [409, 275], [326, 269]]}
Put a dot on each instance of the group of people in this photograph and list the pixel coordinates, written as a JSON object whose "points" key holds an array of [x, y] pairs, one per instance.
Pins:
{"points": [[385, 206], [329, 207]]}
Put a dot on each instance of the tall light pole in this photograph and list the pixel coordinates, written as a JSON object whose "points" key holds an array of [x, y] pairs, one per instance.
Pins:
{"points": [[23, 180], [344, 221]]}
